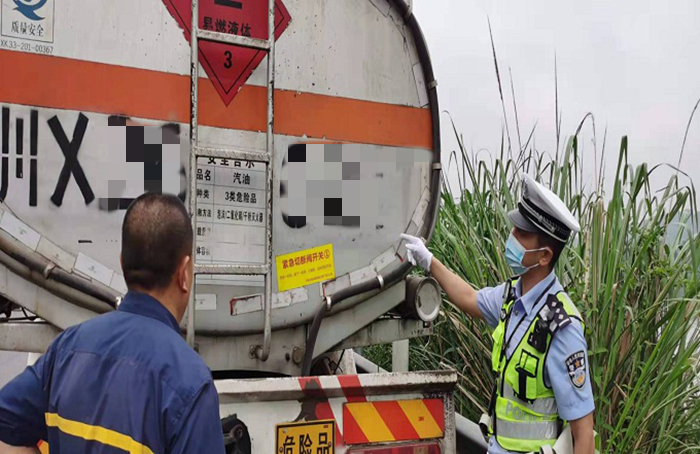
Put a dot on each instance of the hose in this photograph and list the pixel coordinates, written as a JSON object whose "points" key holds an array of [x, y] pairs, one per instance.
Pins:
{"points": [[376, 283], [50, 273], [61, 290]]}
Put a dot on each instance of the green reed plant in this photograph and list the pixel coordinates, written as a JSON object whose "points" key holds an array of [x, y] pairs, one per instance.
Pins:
{"points": [[632, 270]]}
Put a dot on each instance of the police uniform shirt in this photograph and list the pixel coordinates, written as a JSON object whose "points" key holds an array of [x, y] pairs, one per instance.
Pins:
{"points": [[573, 401], [124, 381]]}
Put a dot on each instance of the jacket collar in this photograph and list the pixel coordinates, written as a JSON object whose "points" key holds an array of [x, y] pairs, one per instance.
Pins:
{"points": [[531, 298], [143, 304]]}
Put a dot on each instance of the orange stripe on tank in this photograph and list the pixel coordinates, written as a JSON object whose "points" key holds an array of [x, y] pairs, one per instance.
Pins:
{"points": [[62, 83]]}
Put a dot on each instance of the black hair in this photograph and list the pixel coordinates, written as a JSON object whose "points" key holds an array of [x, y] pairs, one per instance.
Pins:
{"points": [[555, 245], [156, 236]]}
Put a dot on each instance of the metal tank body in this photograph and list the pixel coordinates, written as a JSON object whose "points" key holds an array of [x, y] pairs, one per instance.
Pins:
{"points": [[355, 163]]}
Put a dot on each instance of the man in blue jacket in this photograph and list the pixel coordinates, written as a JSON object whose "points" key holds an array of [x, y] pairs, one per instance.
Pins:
{"points": [[125, 381]]}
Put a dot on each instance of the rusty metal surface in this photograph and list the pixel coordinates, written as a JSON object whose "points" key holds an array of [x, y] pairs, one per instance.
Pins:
{"points": [[274, 389], [194, 98], [232, 154], [450, 440], [220, 353], [236, 40], [263, 352], [251, 270]]}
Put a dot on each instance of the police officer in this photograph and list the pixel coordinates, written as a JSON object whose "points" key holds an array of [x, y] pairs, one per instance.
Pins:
{"points": [[539, 352], [125, 381]]}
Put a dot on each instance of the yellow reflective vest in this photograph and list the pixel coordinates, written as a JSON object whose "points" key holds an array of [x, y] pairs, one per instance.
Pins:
{"points": [[523, 408]]}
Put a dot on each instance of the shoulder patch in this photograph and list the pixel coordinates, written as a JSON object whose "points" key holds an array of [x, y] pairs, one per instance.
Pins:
{"points": [[576, 366], [554, 314]]}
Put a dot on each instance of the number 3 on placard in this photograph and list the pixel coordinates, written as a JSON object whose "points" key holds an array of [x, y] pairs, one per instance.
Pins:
{"points": [[227, 63]]}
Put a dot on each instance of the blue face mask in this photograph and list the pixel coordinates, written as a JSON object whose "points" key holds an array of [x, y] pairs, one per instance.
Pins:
{"points": [[515, 252]]}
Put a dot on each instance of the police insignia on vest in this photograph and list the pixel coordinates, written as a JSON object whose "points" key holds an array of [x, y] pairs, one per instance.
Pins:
{"points": [[576, 365]]}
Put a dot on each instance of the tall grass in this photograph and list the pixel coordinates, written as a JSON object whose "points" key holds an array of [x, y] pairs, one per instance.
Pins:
{"points": [[633, 271]]}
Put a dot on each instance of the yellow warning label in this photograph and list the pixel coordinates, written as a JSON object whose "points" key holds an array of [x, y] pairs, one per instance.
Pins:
{"points": [[301, 268]]}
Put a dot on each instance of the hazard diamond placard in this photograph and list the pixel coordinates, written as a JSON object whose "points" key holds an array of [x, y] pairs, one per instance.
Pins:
{"points": [[229, 66]]}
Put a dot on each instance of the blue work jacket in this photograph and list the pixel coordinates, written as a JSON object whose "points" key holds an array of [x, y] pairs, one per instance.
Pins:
{"points": [[122, 382]]}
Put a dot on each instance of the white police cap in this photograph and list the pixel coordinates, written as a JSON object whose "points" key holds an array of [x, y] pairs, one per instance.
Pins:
{"points": [[540, 210]]}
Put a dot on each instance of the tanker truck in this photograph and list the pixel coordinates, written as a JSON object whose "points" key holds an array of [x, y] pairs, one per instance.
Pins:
{"points": [[304, 137]]}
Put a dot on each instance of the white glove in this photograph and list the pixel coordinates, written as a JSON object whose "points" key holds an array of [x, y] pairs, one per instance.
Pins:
{"points": [[416, 252]]}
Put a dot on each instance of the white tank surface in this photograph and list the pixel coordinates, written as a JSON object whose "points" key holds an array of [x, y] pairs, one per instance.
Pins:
{"points": [[355, 162]]}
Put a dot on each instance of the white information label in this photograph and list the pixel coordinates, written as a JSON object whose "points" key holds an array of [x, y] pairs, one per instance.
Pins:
{"points": [[229, 279], [246, 304], [384, 259], [32, 21], [118, 283], [56, 254], [20, 230], [93, 269], [231, 212], [205, 302]]}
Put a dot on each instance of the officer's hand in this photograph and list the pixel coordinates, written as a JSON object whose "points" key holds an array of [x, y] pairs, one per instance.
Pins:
{"points": [[416, 252]]}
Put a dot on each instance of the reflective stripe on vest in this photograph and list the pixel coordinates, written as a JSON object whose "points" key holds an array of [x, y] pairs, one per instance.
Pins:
{"points": [[545, 431], [543, 405]]}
